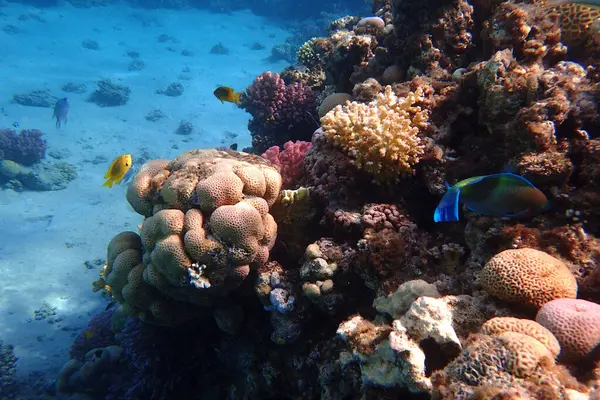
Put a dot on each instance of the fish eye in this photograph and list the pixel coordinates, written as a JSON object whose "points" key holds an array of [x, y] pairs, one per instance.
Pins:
{"points": [[127, 164]]}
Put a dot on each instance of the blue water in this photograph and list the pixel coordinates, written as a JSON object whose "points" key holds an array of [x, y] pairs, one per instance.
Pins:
{"points": [[53, 243]]}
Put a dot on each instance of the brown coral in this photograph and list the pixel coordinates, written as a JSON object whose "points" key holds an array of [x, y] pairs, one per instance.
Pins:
{"points": [[528, 277], [498, 325]]}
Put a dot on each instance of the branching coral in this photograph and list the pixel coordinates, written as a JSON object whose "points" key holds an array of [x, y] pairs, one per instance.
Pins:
{"points": [[290, 160], [279, 112], [381, 137], [26, 148]]}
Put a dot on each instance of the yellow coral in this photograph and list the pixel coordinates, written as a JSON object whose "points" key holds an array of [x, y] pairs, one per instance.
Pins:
{"points": [[382, 137]]}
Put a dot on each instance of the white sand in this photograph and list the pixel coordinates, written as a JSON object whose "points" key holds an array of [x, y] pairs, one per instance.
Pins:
{"points": [[46, 237]]}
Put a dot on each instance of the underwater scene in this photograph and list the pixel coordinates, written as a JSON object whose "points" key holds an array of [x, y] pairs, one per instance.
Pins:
{"points": [[286, 200]]}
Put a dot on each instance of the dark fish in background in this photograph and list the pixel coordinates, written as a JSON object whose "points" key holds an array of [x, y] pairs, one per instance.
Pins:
{"points": [[233, 146], [15, 124], [61, 109], [499, 195]]}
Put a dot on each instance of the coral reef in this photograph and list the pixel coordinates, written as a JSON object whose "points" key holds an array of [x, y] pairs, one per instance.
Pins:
{"points": [[340, 285]]}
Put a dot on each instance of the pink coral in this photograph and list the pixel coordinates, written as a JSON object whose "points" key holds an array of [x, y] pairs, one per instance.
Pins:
{"points": [[279, 112], [576, 325], [290, 160]]}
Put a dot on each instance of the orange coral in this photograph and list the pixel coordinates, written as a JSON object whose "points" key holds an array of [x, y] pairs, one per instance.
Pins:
{"points": [[527, 276]]}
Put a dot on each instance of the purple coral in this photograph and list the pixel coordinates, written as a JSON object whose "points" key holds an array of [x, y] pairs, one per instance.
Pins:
{"points": [[97, 333], [279, 112], [25, 148]]}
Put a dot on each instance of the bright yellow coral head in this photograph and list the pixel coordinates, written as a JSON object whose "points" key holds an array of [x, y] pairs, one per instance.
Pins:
{"points": [[381, 137]]}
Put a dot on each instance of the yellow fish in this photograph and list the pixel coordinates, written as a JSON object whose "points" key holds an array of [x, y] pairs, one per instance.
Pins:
{"points": [[117, 170], [88, 334], [225, 93]]}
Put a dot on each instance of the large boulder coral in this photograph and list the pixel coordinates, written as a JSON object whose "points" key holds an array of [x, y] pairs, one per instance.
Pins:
{"points": [[207, 225], [528, 277]]}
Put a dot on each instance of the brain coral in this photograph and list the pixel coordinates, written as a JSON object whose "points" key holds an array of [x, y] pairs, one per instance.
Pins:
{"points": [[576, 325], [207, 224], [527, 276], [382, 137], [498, 325]]}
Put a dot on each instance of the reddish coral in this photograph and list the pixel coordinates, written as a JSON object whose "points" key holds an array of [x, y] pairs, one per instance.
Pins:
{"points": [[290, 160], [279, 112]]}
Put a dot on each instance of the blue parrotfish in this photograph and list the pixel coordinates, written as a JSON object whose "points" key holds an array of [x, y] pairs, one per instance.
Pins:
{"points": [[499, 195], [61, 110]]}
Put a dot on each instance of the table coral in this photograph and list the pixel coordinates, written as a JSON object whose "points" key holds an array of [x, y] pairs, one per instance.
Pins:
{"points": [[279, 112], [381, 137], [207, 224], [527, 277]]}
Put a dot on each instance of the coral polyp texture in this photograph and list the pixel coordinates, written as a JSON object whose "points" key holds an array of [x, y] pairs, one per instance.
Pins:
{"points": [[207, 225], [381, 137]]}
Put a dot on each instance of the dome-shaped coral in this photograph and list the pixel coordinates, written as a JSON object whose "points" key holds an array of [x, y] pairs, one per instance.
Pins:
{"points": [[207, 225], [527, 276], [576, 325]]}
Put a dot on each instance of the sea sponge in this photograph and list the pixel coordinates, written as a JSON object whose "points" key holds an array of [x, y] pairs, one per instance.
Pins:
{"points": [[498, 325], [528, 277], [381, 137], [207, 224], [576, 325]]}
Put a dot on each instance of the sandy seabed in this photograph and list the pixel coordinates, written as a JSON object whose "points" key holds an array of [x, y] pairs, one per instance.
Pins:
{"points": [[46, 237]]}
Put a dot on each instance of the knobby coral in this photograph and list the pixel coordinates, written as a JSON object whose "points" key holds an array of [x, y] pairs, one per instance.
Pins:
{"points": [[26, 148], [279, 112], [290, 160], [207, 225], [382, 137]]}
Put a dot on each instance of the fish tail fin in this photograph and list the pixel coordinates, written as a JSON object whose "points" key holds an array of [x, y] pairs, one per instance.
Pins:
{"points": [[447, 185], [447, 210], [236, 97], [108, 183]]}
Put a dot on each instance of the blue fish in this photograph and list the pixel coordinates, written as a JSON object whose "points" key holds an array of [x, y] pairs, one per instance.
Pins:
{"points": [[499, 195], [61, 109]]}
